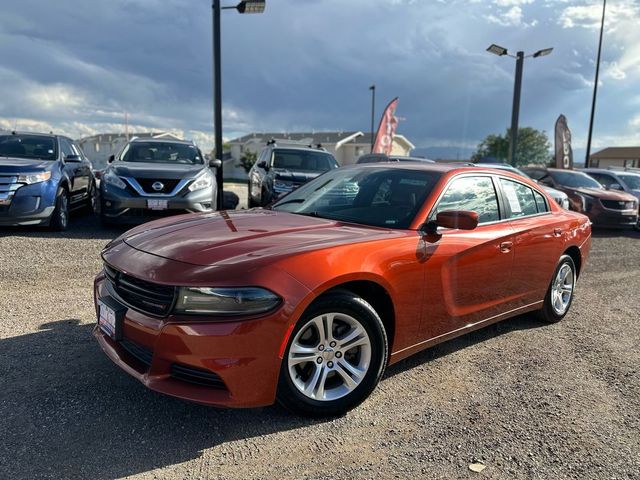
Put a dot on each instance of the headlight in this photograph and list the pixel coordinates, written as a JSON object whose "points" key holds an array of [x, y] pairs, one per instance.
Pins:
{"points": [[204, 180], [34, 177], [225, 301], [585, 201], [112, 179], [280, 186]]}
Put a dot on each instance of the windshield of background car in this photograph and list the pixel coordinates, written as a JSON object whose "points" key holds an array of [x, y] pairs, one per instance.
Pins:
{"points": [[28, 146], [158, 152], [302, 160], [631, 180], [380, 197], [575, 180]]}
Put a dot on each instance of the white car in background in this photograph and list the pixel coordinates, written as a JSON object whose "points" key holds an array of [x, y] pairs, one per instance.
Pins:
{"points": [[561, 198]]}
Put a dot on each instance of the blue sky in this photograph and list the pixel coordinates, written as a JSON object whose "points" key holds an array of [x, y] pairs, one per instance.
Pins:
{"points": [[75, 67]]}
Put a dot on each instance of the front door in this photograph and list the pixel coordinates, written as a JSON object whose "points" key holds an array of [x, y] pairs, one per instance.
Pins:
{"points": [[468, 272]]}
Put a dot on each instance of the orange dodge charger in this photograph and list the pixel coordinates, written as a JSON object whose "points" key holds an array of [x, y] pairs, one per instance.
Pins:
{"points": [[308, 302]]}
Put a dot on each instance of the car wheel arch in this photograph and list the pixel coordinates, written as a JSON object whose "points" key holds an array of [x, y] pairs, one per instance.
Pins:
{"points": [[576, 256]]}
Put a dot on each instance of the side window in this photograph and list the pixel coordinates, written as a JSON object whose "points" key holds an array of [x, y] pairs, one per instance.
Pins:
{"points": [[66, 148], [606, 180], [520, 201], [476, 194], [540, 202]]}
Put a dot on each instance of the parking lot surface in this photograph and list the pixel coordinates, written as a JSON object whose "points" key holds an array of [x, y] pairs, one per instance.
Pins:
{"points": [[525, 399]]}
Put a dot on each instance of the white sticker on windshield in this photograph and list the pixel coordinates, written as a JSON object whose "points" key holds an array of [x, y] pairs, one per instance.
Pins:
{"points": [[512, 197]]}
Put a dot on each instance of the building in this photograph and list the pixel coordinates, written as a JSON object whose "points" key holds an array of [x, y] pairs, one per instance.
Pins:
{"points": [[98, 148], [616, 157], [347, 147]]}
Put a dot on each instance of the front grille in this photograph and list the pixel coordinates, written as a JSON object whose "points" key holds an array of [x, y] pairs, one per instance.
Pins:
{"points": [[197, 376], [617, 205], [168, 184], [140, 295], [137, 351]]}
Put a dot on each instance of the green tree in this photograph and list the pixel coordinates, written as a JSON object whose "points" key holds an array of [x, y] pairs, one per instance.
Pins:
{"points": [[247, 160], [533, 147]]}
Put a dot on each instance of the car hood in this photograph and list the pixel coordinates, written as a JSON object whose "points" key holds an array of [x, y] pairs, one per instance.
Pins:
{"points": [[237, 236], [293, 176], [603, 194], [155, 170], [23, 165]]}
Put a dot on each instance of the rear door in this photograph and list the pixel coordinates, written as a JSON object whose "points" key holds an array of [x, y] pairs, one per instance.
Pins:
{"points": [[538, 241], [468, 272]]}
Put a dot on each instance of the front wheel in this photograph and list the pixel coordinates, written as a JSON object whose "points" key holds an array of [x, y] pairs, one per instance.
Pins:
{"points": [[335, 357], [559, 295], [60, 216]]}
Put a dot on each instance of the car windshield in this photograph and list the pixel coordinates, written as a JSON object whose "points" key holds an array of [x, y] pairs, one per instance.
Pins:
{"points": [[303, 160], [575, 180], [161, 152], [631, 180], [375, 196], [39, 147]]}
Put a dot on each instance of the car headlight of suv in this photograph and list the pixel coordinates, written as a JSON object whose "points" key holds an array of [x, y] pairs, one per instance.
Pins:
{"points": [[112, 179], [225, 301], [203, 180], [586, 201], [30, 178]]}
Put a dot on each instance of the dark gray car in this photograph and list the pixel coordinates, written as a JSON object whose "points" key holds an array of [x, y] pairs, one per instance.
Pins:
{"points": [[155, 177]]}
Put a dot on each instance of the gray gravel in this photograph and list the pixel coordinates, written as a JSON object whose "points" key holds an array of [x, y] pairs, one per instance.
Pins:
{"points": [[525, 399]]}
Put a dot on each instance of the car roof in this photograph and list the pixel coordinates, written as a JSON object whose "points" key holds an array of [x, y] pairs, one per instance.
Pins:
{"points": [[38, 134], [434, 167], [297, 147], [160, 140]]}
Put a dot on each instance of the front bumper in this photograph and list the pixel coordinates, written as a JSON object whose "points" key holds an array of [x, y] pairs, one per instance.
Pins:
{"points": [[604, 217], [239, 357], [122, 206], [29, 205]]}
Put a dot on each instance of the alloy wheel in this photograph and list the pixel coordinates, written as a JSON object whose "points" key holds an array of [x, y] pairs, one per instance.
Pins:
{"points": [[329, 356], [562, 289]]}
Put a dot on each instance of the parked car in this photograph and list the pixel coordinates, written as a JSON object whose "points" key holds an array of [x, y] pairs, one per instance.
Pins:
{"points": [[381, 157], [281, 169], [151, 178], [560, 197], [622, 180], [42, 178], [605, 208], [309, 301]]}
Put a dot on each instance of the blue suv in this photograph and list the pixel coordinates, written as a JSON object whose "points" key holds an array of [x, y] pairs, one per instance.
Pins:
{"points": [[42, 178]]}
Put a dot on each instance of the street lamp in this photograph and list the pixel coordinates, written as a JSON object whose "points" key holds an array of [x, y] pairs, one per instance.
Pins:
{"points": [[515, 112], [246, 6], [587, 160], [373, 111]]}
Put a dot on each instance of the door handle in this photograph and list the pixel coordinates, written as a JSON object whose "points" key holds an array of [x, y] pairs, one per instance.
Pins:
{"points": [[557, 232], [505, 247]]}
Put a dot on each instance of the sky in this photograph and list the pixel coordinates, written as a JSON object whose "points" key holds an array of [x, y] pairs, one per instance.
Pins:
{"points": [[75, 67]]}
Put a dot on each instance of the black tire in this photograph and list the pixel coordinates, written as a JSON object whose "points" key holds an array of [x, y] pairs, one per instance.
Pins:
{"points": [[59, 221], [91, 206], [350, 306], [548, 313]]}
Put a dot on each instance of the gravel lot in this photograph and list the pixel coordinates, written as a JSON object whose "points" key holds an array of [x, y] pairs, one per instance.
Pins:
{"points": [[527, 400]]}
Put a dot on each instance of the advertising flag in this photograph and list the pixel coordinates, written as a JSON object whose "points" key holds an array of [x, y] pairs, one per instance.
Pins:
{"points": [[386, 129], [564, 153]]}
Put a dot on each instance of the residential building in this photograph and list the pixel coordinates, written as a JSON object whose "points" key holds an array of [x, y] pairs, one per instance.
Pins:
{"points": [[98, 148], [616, 157]]}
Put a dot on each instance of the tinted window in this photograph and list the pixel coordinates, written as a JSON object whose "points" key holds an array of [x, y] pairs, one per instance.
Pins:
{"points": [[475, 194], [575, 179], [302, 160], [28, 146], [604, 179], [383, 197], [540, 202], [161, 152], [631, 180], [66, 148], [520, 201]]}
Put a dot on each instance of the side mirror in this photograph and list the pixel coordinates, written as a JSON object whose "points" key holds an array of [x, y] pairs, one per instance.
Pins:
{"points": [[215, 163], [263, 165], [111, 158], [615, 186], [72, 158]]}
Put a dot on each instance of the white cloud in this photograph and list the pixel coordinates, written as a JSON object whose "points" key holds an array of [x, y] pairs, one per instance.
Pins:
{"points": [[510, 3], [613, 71]]}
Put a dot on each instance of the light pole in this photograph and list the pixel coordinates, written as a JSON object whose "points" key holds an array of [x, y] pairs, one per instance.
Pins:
{"points": [[246, 6], [587, 160], [373, 111], [515, 111]]}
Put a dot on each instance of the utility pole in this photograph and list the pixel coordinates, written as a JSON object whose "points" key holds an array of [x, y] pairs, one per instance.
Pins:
{"points": [[587, 160]]}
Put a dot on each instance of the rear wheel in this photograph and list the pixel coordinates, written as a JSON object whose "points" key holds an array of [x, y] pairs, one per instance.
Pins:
{"points": [[560, 293], [92, 201], [336, 356], [60, 216]]}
